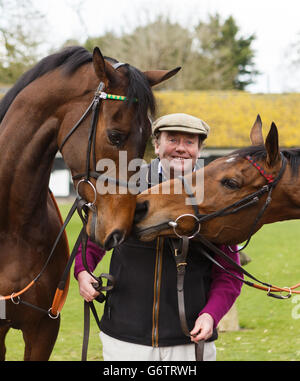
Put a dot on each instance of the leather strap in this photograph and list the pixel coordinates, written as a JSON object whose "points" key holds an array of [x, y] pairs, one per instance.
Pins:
{"points": [[199, 350], [98, 284], [86, 331], [180, 248]]}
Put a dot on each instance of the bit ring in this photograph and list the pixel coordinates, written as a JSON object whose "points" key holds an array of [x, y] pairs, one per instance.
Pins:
{"points": [[175, 225]]}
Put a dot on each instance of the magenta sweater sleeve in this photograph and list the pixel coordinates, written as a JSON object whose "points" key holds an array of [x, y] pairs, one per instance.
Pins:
{"points": [[224, 288], [94, 254]]}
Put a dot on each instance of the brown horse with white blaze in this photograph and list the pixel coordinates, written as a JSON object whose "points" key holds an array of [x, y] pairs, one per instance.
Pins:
{"points": [[240, 182], [36, 116]]}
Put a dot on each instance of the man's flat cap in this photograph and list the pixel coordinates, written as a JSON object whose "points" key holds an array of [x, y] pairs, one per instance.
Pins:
{"points": [[182, 123]]}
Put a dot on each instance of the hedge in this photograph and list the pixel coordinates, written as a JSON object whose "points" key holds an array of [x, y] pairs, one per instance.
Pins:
{"points": [[231, 114]]}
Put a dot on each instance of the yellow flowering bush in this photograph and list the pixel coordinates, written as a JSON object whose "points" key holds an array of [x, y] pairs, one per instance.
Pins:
{"points": [[231, 114]]}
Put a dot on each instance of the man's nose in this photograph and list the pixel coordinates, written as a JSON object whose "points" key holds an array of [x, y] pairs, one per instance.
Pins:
{"points": [[180, 146]]}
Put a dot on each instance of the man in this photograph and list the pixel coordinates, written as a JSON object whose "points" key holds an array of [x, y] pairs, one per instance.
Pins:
{"points": [[141, 320]]}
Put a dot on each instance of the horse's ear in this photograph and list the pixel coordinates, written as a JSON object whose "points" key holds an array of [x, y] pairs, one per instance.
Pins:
{"points": [[272, 146], [256, 135], [99, 63], [103, 69], [157, 76]]}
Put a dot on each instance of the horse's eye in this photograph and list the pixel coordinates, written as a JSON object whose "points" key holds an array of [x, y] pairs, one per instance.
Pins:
{"points": [[230, 183], [116, 138]]}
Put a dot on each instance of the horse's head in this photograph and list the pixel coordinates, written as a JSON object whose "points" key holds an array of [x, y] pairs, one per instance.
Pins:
{"points": [[226, 181], [114, 132]]}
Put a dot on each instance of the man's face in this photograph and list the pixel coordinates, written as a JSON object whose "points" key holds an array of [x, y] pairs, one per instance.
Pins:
{"points": [[178, 152]]}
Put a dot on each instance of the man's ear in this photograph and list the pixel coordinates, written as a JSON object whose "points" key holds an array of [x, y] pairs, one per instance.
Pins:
{"points": [[156, 146]]}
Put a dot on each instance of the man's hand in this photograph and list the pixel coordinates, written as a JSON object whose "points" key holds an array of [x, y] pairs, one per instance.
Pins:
{"points": [[86, 289], [203, 328]]}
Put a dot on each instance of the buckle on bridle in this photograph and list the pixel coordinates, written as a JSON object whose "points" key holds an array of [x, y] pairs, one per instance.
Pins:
{"points": [[51, 315], [13, 300], [102, 94], [266, 187]]}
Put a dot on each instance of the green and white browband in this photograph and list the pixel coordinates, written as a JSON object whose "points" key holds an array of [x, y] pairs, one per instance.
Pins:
{"points": [[104, 95]]}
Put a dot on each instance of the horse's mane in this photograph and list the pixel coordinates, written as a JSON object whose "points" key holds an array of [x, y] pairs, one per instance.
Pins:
{"points": [[70, 59], [259, 152]]}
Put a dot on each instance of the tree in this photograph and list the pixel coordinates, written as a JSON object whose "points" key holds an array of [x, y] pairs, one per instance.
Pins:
{"points": [[226, 58], [160, 44], [17, 38], [212, 56]]}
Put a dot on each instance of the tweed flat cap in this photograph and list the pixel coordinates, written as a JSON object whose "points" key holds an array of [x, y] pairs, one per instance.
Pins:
{"points": [[182, 123]]}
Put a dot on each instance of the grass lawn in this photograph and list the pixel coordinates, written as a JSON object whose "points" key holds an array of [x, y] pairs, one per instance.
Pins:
{"points": [[269, 327]]}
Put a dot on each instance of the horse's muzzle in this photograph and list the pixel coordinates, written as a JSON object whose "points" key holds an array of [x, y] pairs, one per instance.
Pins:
{"points": [[114, 239]]}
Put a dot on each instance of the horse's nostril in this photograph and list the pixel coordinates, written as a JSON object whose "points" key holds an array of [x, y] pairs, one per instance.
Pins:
{"points": [[114, 239], [141, 211]]}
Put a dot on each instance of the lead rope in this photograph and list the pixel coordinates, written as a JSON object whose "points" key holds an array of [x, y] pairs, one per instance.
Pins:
{"points": [[180, 248]]}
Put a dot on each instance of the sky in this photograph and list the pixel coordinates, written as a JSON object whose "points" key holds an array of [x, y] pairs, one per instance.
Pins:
{"points": [[275, 23]]}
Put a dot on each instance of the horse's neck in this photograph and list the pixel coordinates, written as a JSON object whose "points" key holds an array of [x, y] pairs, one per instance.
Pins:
{"points": [[285, 203], [28, 144]]}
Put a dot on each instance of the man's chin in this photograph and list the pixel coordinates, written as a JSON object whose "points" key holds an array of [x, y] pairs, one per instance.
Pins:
{"points": [[177, 171], [180, 169]]}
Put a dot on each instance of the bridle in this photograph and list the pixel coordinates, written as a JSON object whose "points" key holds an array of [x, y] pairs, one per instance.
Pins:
{"points": [[85, 178], [233, 208], [253, 198], [94, 107], [237, 206]]}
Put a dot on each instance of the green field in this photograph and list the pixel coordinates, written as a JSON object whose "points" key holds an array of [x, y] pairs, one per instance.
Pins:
{"points": [[270, 328]]}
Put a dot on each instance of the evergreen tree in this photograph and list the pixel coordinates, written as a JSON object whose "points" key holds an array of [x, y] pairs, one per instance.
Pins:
{"points": [[226, 57]]}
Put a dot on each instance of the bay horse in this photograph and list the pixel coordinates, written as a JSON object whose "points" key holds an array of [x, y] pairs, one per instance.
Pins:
{"points": [[37, 117], [244, 190]]}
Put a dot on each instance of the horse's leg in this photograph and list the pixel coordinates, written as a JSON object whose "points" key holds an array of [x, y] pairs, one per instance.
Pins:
{"points": [[3, 331], [40, 338]]}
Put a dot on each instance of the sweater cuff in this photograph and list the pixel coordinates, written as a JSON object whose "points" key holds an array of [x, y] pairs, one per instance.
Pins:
{"points": [[78, 270], [94, 254]]}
